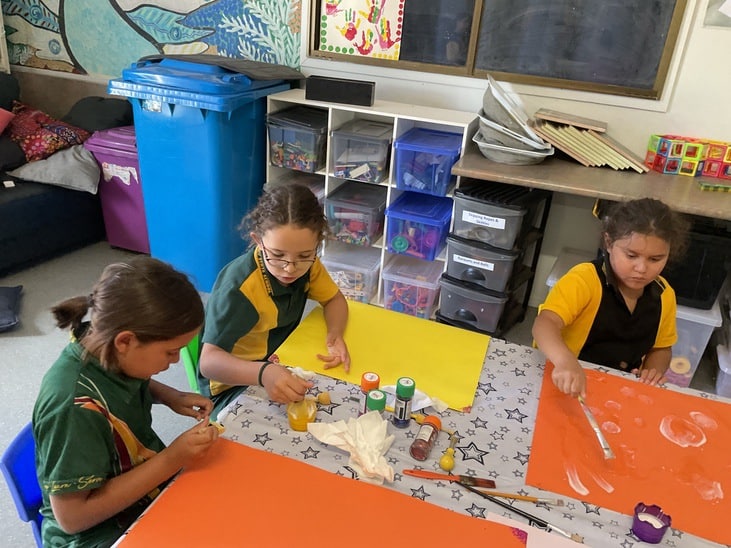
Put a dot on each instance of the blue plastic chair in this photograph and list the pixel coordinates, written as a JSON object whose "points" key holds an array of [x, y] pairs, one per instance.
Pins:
{"points": [[189, 355], [19, 468]]}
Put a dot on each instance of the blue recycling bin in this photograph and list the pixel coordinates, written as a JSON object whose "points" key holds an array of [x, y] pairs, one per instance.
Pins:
{"points": [[201, 144]]}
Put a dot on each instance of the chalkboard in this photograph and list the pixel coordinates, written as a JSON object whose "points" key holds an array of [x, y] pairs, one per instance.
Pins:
{"points": [[606, 42]]}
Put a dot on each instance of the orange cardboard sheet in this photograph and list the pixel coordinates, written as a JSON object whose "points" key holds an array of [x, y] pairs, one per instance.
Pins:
{"points": [[672, 450], [444, 361], [240, 496]]}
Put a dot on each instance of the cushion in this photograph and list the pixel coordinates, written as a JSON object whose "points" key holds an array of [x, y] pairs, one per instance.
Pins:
{"points": [[9, 90], [9, 306], [74, 168], [98, 113], [11, 155], [40, 135], [5, 117]]}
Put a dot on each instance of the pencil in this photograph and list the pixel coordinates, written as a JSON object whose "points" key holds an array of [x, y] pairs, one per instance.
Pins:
{"points": [[527, 498], [532, 520]]}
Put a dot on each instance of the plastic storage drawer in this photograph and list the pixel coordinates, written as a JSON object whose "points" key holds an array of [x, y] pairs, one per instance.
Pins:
{"points": [[359, 150], [481, 264], [355, 212], [297, 138], [411, 286], [495, 213], [354, 269], [424, 160], [418, 225], [313, 181], [695, 327], [480, 309]]}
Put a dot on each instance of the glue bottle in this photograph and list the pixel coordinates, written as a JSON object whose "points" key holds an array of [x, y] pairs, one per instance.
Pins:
{"points": [[425, 438], [405, 388], [368, 381]]}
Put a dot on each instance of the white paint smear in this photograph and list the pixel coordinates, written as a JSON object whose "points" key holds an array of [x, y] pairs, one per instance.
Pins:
{"points": [[681, 432], [574, 480]]}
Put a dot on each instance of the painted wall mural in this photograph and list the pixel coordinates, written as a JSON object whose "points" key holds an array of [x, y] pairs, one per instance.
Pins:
{"points": [[102, 37]]}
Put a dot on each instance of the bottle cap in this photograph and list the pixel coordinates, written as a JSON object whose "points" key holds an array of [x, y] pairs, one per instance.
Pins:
{"points": [[433, 420], [369, 381], [405, 387], [376, 400]]}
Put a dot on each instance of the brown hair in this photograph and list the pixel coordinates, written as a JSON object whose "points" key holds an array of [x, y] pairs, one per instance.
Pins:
{"points": [[282, 205], [650, 217], [144, 295]]}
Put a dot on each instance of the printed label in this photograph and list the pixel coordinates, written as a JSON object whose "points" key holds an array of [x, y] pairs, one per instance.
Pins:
{"points": [[475, 218], [126, 174], [470, 261]]}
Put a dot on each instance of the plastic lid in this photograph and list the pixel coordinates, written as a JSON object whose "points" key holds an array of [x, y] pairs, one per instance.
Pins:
{"points": [[430, 140], [502, 194], [405, 387], [359, 196], [433, 420], [115, 139], [376, 400], [369, 381], [367, 130], [301, 117], [423, 208]]}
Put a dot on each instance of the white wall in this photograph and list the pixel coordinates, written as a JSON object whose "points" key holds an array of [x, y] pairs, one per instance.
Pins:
{"points": [[695, 102]]}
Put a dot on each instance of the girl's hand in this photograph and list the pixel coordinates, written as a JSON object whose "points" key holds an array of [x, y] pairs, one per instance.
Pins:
{"points": [[570, 379], [648, 375], [337, 354], [282, 386], [194, 443], [190, 404]]}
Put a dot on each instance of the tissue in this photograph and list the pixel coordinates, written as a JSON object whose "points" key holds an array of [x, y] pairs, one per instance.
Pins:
{"points": [[365, 438]]}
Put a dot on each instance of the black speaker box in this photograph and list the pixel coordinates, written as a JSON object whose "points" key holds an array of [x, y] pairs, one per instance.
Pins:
{"points": [[340, 90]]}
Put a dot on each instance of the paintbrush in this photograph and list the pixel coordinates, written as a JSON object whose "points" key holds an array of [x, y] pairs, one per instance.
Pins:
{"points": [[608, 453], [526, 498], [532, 520]]}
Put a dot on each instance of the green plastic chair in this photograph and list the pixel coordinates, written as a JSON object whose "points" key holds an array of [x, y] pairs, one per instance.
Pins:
{"points": [[189, 354]]}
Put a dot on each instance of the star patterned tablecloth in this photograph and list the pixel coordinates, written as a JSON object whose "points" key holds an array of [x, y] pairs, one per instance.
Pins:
{"points": [[494, 441]]}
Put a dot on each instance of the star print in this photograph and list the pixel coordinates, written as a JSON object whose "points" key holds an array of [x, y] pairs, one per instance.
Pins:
{"points": [[235, 409], [515, 414], [419, 493], [296, 440], [626, 543], [471, 452], [487, 388], [504, 429], [479, 423], [518, 473], [499, 353], [591, 508], [518, 372], [598, 524], [492, 446], [497, 436], [476, 511], [353, 473], [457, 494], [246, 423], [522, 458], [328, 408], [309, 453], [500, 398], [522, 401], [262, 438], [525, 390]]}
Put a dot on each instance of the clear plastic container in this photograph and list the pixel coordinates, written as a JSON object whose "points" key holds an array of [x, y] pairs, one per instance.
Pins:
{"points": [[298, 138], [479, 309], [411, 286], [418, 225], [424, 160], [359, 150], [355, 212], [479, 263], [354, 269]]}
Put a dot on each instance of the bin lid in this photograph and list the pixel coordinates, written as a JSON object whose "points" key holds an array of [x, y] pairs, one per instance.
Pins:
{"points": [[120, 142], [504, 195], [430, 140], [113, 139], [423, 208], [191, 84]]}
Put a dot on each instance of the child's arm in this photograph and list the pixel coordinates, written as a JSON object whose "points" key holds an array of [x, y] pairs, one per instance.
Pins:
{"points": [[81, 510], [336, 317], [654, 366], [183, 403], [568, 375], [281, 386]]}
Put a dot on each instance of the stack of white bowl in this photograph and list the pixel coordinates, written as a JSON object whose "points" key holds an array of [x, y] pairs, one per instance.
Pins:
{"points": [[505, 135]]}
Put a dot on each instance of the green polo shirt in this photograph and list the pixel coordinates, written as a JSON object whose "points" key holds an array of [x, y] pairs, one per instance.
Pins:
{"points": [[598, 326], [250, 314], [90, 425]]}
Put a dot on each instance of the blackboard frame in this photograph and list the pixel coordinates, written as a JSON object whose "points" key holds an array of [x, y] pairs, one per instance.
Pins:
{"points": [[665, 38]]}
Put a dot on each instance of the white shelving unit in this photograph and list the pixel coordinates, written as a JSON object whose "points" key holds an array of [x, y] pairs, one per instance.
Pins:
{"points": [[402, 116]]}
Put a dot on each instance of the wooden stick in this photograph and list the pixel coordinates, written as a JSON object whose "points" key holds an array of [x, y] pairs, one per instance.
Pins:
{"points": [[532, 520], [527, 498]]}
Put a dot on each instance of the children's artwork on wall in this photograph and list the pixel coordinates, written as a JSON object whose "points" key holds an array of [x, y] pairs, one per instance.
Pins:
{"points": [[366, 28], [672, 450], [57, 35]]}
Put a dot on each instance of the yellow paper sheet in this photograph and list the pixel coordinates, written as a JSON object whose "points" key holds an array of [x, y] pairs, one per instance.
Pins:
{"points": [[444, 361]]}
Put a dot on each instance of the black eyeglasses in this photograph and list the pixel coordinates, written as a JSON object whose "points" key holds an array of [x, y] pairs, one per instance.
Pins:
{"points": [[300, 264]]}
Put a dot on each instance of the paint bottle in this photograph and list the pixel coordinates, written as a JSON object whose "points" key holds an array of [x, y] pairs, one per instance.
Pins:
{"points": [[376, 401], [368, 381], [405, 388], [425, 438]]}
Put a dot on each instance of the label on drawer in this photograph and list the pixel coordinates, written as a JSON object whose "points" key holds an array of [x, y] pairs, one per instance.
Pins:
{"points": [[483, 220], [469, 261]]}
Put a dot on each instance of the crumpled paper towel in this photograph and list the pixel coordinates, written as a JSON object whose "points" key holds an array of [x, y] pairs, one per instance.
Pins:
{"points": [[365, 438], [421, 400]]}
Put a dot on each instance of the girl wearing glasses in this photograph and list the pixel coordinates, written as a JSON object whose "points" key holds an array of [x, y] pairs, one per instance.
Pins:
{"points": [[258, 300]]}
